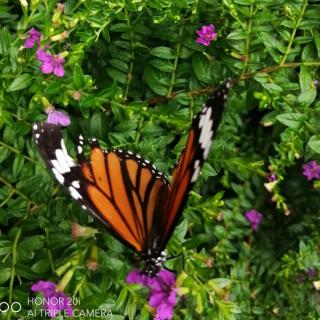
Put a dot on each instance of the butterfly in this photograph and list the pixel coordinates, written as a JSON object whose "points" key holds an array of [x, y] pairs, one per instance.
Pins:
{"points": [[125, 192]]}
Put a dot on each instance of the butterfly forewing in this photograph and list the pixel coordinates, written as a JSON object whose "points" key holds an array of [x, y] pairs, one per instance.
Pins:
{"points": [[196, 151], [119, 188]]}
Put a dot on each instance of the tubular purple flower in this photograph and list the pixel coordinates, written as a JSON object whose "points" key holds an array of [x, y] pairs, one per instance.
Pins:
{"points": [[163, 294], [50, 63], [54, 301], [206, 34], [58, 117], [34, 38], [254, 217], [311, 170], [163, 291]]}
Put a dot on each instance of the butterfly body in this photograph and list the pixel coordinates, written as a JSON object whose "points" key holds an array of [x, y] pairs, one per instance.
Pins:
{"points": [[125, 192]]}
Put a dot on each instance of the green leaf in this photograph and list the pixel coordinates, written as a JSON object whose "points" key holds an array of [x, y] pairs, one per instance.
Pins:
{"points": [[162, 65], [78, 77], [314, 143], [237, 35], [202, 68], [117, 75], [32, 243], [21, 82], [4, 274], [305, 78], [292, 120], [307, 96], [17, 166], [153, 80], [40, 266], [5, 247], [119, 64], [316, 37], [163, 53]]}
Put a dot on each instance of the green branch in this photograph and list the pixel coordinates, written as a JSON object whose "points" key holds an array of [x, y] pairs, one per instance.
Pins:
{"points": [[247, 45], [13, 270], [293, 34], [17, 152], [18, 192], [175, 63]]}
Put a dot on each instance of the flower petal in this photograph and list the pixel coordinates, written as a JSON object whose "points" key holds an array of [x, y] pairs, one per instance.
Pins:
{"points": [[58, 118], [45, 287], [58, 70], [46, 67]]}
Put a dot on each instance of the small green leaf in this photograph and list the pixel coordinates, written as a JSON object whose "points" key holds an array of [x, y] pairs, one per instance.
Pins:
{"points": [[307, 96], [5, 274], [316, 37], [32, 243], [78, 77], [5, 247], [163, 52], [21, 82], [305, 78], [117, 75], [202, 68], [292, 120], [314, 143], [40, 266], [17, 166], [153, 79]]}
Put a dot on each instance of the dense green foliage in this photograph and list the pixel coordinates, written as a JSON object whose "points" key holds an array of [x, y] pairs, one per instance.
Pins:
{"points": [[134, 77]]}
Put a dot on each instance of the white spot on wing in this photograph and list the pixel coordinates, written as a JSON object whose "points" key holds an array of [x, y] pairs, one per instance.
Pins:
{"points": [[74, 193], [64, 167], [37, 135], [195, 174], [68, 159], [35, 126], [58, 175], [76, 184], [57, 166]]}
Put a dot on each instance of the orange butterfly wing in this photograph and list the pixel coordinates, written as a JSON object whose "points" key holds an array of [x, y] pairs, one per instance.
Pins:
{"points": [[186, 172], [118, 188]]}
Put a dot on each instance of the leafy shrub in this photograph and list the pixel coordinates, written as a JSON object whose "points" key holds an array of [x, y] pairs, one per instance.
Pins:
{"points": [[133, 78]]}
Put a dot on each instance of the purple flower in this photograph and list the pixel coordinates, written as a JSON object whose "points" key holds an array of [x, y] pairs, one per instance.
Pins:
{"points": [[312, 272], [163, 295], [311, 170], [254, 217], [136, 276], [54, 301], [50, 63], [272, 177], [34, 38], [206, 34], [58, 117]]}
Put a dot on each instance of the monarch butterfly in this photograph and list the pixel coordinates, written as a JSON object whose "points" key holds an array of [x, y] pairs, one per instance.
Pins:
{"points": [[125, 192]]}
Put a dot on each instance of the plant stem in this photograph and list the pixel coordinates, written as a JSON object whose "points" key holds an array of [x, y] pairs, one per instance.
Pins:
{"points": [[305, 3], [129, 76], [8, 184], [13, 271], [248, 75], [247, 46], [175, 63], [17, 152]]}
